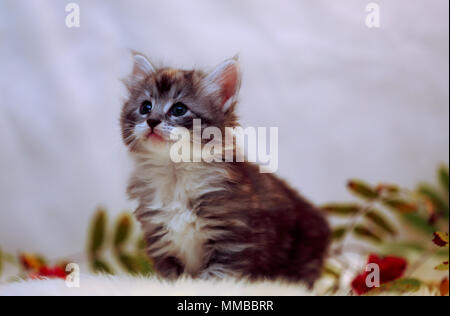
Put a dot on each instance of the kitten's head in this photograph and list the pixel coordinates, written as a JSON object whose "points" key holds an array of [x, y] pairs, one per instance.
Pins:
{"points": [[163, 99]]}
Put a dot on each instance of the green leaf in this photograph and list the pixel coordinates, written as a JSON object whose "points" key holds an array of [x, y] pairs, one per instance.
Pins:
{"points": [[1, 262], [99, 266], [98, 231], [123, 230], [439, 204], [419, 223], [145, 265], [342, 209], [401, 248], [400, 205], [331, 271], [443, 252], [443, 177], [11, 259], [366, 233], [405, 285], [387, 188], [377, 219], [362, 189], [128, 262], [338, 233], [442, 267], [135, 264]]}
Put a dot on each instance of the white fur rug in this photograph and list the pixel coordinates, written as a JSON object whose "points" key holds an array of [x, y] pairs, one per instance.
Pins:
{"points": [[138, 286]]}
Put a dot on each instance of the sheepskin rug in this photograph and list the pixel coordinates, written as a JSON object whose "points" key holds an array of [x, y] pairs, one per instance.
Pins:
{"points": [[139, 286]]}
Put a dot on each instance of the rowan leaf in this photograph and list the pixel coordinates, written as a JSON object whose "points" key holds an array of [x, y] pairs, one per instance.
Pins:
{"points": [[135, 264], [419, 222], [362, 189], [123, 230], [128, 262], [400, 205], [440, 239], [376, 218], [11, 259], [342, 209], [440, 205], [443, 177], [366, 233], [338, 233], [404, 285], [98, 231], [99, 266], [145, 265], [387, 188], [442, 267], [331, 271], [401, 248], [443, 252], [1, 262]]}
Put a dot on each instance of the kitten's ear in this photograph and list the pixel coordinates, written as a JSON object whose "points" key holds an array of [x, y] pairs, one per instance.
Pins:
{"points": [[141, 67], [224, 82]]}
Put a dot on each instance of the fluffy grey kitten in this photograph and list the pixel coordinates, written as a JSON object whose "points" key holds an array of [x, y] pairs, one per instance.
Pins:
{"points": [[212, 219]]}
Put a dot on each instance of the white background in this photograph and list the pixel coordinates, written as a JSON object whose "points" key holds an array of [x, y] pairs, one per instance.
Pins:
{"points": [[349, 101]]}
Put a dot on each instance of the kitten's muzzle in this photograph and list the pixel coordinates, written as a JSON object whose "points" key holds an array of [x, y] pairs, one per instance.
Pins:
{"points": [[153, 123]]}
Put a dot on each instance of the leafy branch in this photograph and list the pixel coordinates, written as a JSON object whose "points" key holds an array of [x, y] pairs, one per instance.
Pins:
{"points": [[425, 210], [133, 261]]}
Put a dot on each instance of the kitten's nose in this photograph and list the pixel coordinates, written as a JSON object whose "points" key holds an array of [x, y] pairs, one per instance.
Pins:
{"points": [[153, 123]]}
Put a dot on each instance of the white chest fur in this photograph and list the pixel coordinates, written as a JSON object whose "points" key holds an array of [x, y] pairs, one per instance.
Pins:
{"points": [[174, 187]]}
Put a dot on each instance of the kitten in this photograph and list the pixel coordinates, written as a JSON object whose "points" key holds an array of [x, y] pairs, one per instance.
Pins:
{"points": [[214, 219]]}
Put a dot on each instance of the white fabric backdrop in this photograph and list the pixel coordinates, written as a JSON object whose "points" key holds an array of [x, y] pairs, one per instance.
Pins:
{"points": [[349, 101]]}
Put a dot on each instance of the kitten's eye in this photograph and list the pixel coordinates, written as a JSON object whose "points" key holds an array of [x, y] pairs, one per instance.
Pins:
{"points": [[178, 109], [145, 108]]}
